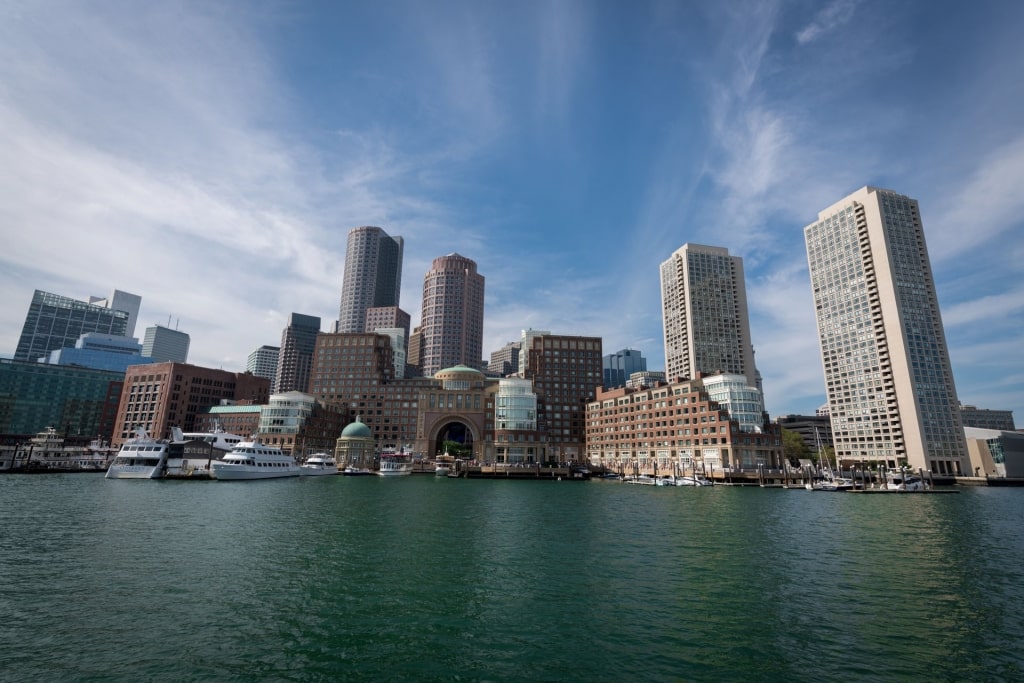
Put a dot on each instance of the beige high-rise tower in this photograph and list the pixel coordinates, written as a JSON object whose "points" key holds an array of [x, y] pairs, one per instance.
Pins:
{"points": [[452, 327], [704, 313], [887, 373]]}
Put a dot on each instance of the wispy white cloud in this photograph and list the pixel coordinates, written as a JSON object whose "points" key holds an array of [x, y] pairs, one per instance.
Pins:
{"points": [[830, 17], [989, 204], [987, 307], [562, 50]]}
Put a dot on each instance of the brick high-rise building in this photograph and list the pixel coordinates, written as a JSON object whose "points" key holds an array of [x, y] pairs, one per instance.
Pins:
{"points": [[373, 276], [566, 374], [888, 378], [452, 320]]}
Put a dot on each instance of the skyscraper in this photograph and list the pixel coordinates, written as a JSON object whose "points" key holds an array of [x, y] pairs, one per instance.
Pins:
{"points": [[263, 362], [56, 322], [373, 276], [121, 301], [704, 313], [887, 373], [163, 344], [296, 356], [453, 314], [620, 365]]}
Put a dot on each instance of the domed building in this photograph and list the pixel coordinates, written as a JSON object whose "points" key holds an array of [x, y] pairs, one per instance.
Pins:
{"points": [[455, 408], [355, 446]]}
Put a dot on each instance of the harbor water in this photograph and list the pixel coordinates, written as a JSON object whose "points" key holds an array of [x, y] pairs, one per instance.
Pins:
{"points": [[424, 578]]}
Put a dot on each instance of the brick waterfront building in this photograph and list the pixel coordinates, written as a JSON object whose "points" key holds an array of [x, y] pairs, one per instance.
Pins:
{"points": [[672, 428]]}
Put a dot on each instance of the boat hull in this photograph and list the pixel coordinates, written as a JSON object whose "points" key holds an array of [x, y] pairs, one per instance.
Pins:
{"points": [[225, 472], [308, 471], [134, 472]]}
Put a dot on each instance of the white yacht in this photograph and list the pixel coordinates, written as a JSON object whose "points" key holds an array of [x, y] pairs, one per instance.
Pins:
{"points": [[318, 464], [899, 480], [255, 460], [218, 438], [141, 457], [695, 480]]}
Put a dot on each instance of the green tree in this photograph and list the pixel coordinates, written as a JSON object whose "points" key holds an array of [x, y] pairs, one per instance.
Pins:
{"points": [[456, 449], [793, 446]]}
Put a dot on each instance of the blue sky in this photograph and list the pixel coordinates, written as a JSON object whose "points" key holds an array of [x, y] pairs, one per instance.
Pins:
{"points": [[212, 157]]}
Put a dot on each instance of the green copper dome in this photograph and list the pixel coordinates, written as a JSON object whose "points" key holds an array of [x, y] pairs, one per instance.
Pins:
{"points": [[357, 429], [459, 369]]}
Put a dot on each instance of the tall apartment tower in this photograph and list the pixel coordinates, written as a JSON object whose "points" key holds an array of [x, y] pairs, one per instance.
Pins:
{"points": [[296, 356], [620, 365], [163, 344], [373, 276], [263, 362], [887, 373], [56, 322], [452, 322], [704, 313]]}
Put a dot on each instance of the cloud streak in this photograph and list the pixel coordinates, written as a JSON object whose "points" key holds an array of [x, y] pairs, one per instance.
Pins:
{"points": [[831, 17]]}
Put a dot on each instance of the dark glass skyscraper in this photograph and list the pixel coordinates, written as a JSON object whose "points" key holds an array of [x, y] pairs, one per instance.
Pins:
{"points": [[620, 365], [373, 276], [296, 356]]}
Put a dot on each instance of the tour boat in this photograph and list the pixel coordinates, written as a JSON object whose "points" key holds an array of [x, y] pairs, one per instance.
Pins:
{"points": [[395, 465], [317, 465], [141, 457], [255, 460]]}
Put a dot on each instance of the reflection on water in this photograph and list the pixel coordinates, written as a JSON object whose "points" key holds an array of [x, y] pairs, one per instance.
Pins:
{"points": [[361, 578]]}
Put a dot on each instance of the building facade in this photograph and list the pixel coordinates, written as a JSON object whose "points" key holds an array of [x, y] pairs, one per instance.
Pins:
{"points": [[163, 395], [618, 366], [505, 361], [888, 379], [674, 429], [452, 324], [566, 373], [56, 322], [984, 418], [121, 301], [241, 419], [704, 314], [295, 358], [301, 425], [372, 278], [76, 401], [101, 352], [162, 344], [814, 430], [262, 362]]}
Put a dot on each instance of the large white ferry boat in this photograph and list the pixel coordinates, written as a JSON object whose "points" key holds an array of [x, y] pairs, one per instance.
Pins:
{"points": [[394, 464], [255, 460], [141, 457], [192, 454]]}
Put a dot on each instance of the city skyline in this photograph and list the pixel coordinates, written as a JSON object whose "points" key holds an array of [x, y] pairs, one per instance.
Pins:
{"points": [[568, 149]]}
